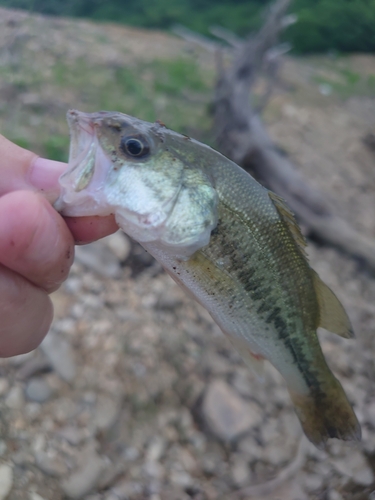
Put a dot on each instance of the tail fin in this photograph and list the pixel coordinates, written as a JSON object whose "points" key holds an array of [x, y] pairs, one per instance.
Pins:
{"points": [[327, 414]]}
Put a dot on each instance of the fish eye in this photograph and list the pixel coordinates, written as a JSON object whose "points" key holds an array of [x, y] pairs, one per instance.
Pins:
{"points": [[135, 146]]}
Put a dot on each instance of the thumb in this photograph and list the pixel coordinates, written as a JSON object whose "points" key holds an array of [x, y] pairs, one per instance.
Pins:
{"points": [[22, 169]]}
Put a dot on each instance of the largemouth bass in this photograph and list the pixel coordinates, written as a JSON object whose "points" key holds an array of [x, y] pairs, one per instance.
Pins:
{"points": [[231, 243]]}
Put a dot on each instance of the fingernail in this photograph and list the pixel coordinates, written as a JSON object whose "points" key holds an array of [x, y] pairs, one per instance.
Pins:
{"points": [[44, 174]]}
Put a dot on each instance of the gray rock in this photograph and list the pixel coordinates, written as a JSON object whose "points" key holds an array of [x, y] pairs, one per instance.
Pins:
{"points": [[240, 472], [226, 414], [60, 355], [127, 489], [99, 258], [74, 435], [15, 399], [53, 466], [106, 412], [355, 466], [33, 366], [155, 449], [334, 495], [83, 480], [119, 244], [38, 390], [4, 386], [6, 480], [35, 496]]}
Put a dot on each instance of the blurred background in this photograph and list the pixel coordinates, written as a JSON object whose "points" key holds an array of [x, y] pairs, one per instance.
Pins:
{"points": [[135, 394]]}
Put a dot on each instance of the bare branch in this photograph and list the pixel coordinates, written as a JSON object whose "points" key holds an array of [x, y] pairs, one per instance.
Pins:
{"points": [[226, 35], [241, 135], [196, 38]]}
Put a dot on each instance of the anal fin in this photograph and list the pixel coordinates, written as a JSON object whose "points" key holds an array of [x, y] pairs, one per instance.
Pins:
{"points": [[332, 314]]}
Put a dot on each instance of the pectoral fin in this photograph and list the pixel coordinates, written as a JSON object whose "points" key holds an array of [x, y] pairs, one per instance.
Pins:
{"points": [[332, 314]]}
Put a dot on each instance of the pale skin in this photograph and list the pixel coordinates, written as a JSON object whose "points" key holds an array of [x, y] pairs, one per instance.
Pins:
{"points": [[36, 245]]}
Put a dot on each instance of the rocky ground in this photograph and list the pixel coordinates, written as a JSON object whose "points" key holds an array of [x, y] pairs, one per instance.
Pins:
{"points": [[135, 394]]}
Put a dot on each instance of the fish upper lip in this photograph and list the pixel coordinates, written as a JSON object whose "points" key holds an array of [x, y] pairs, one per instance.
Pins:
{"points": [[82, 121]]}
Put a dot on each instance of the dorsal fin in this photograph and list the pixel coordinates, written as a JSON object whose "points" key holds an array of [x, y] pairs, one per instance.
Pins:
{"points": [[288, 217], [332, 314]]}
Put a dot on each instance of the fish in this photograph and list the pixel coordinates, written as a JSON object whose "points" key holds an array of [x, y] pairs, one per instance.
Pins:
{"points": [[231, 243]]}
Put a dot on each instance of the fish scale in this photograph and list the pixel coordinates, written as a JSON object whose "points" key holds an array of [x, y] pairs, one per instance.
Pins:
{"points": [[233, 245]]}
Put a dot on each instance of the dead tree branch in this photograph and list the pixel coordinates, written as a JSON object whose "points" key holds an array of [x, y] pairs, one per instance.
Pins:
{"points": [[241, 135]]}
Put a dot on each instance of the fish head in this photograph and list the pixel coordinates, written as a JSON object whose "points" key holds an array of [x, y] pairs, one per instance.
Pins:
{"points": [[144, 174]]}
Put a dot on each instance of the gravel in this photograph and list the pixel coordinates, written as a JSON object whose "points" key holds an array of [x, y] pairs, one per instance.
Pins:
{"points": [[135, 394]]}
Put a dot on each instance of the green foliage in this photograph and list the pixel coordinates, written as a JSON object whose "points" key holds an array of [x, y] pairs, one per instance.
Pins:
{"points": [[56, 147], [172, 76], [174, 90], [342, 25]]}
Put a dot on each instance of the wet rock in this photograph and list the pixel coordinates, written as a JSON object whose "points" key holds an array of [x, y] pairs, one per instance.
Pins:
{"points": [[6, 480], [83, 480], [38, 390], [60, 355], [226, 414]]}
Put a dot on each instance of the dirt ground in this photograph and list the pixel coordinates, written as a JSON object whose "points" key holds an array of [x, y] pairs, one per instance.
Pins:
{"points": [[135, 394]]}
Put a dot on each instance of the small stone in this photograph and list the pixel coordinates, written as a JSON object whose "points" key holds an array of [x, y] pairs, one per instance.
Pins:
{"points": [[60, 355], [155, 449], [276, 454], [3, 448], [6, 480], [119, 244], [99, 258], [20, 359], [227, 415], [15, 399], [313, 482], [32, 366], [35, 496], [180, 478], [51, 465], [4, 386], [355, 466], [334, 495], [82, 481], [240, 472], [127, 489], [74, 435], [154, 469], [106, 412], [38, 390]]}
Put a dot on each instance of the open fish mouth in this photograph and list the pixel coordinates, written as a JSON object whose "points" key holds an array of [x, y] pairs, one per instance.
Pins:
{"points": [[82, 150], [81, 184]]}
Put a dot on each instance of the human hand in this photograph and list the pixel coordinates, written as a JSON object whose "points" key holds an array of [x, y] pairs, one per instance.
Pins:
{"points": [[36, 245]]}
